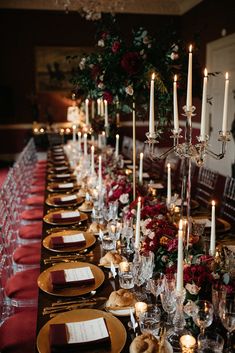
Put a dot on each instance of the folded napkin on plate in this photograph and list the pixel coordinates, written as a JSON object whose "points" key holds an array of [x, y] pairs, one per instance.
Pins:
{"points": [[69, 337], [61, 217], [67, 241], [65, 199], [73, 277]]}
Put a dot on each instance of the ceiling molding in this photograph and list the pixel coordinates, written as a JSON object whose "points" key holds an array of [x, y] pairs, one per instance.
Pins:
{"points": [[160, 7]]}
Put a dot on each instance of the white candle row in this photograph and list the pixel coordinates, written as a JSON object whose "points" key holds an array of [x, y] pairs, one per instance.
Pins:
{"points": [[189, 101]]}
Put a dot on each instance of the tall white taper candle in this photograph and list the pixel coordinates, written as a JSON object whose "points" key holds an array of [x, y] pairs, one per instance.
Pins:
{"points": [[189, 84], [85, 144], [92, 159], [137, 226], [100, 174], [151, 107], [74, 127], [175, 105], [168, 183], [204, 101], [141, 168], [180, 260], [213, 236], [225, 109], [79, 141], [106, 122], [87, 111], [117, 146]]}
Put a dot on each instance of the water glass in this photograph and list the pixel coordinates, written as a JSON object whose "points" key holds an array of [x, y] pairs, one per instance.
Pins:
{"points": [[109, 242], [210, 342], [150, 321], [126, 278]]}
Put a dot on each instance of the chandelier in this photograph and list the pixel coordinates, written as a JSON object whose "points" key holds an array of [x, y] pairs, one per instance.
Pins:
{"points": [[92, 9]]}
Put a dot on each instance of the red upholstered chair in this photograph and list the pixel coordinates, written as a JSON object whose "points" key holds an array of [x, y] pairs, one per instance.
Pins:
{"points": [[27, 255], [37, 200], [32, 214], [18, 333], [31, 231], [39, 189]]}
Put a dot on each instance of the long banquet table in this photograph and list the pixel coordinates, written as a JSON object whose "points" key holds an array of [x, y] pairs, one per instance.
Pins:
{"points": [[46, 300]]}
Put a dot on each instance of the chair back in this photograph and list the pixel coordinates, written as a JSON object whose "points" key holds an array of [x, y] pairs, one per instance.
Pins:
{"points": [[228, 201], [205, 187]]}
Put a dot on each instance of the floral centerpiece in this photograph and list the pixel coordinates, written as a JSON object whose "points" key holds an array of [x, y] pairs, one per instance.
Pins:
{"points": [[120, 70]]}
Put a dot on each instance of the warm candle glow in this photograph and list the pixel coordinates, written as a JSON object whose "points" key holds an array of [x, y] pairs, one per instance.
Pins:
{"points": [[213, 203], [124, 266], [175, 78], [139, 199], [205, 72], [74, 127], [168, 165], [140, 307], [153, 76], [103, 133], [190, 48], [187, 342], [226, 76]]}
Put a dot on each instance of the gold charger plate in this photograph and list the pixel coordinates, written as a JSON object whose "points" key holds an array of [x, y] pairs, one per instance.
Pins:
{"points": [[90, 240], [45, 285], [116, 329], [85, 210], [48, 219], [53, 187], [52, 170], [50, 200]]}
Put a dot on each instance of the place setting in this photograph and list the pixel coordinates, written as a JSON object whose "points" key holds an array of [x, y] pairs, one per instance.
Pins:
{"points": [[70, 279], [69, 200], [64, 217], [62, 187]]}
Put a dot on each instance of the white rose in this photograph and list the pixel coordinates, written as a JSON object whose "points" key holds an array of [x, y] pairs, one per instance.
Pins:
{"points": [[101, 85], [129, 90], [151, 235], [110, 193], [192, 288], [101, 43], [124, 198]]}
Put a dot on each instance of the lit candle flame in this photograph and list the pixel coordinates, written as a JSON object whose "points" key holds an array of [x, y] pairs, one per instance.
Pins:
{"points": [[205, 72], [175, 78], [139, 199], [79, 133], [103, 133], [74, 127], [190, 48], [168, 165], [153, 76], [85, 135], [117, 136], [226, 76], [213, 203]]}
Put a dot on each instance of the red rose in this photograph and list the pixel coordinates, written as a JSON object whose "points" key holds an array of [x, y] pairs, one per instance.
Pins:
{"points": [[115, 46], [131, 63], [108, 97]]}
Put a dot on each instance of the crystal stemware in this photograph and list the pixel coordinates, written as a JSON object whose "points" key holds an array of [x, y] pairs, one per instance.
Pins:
{"points": [[203, 315], [227, 317]]}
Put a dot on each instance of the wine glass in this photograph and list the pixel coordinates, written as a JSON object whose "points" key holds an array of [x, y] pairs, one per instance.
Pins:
{"points": [[168, 298], [155, 284], [203, 315], [227, 317]]}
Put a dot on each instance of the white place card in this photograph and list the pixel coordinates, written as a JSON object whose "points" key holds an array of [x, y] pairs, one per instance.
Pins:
{"points": [[65, 186], [71, 214], [87, 331], [78, 274], [73, 238], [63, 175], [68, 198], [61, 168]]}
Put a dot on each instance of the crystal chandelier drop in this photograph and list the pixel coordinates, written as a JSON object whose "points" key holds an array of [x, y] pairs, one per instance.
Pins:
{"points": [[92, 9]]}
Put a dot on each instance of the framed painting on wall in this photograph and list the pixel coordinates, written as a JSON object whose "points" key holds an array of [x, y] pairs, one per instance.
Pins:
{"points": [[52, 80]]}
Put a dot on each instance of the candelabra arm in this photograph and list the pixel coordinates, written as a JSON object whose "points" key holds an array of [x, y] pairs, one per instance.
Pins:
{"points": [[165, 154], [223, 138]]}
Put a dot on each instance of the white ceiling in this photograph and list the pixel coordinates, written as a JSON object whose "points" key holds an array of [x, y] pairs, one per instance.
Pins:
{"points": [[163, 7]]}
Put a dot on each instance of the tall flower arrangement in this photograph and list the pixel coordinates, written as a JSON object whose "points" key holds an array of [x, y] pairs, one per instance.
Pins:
{"points": [[120, 70]]}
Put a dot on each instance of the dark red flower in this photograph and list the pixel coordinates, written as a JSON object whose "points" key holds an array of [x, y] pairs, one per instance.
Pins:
{"points": [[131, 63], [96, 71], [108, 96], [115, 46]]}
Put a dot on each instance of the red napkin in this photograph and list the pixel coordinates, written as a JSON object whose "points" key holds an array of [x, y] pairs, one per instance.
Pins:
{"points": [[57, 217]]}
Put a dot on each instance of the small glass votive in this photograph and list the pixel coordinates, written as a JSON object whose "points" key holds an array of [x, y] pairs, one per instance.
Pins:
{"points": [[108, 242], [210, 342], [140, 308], [125, 274], [150, 321], [187, 343]]}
